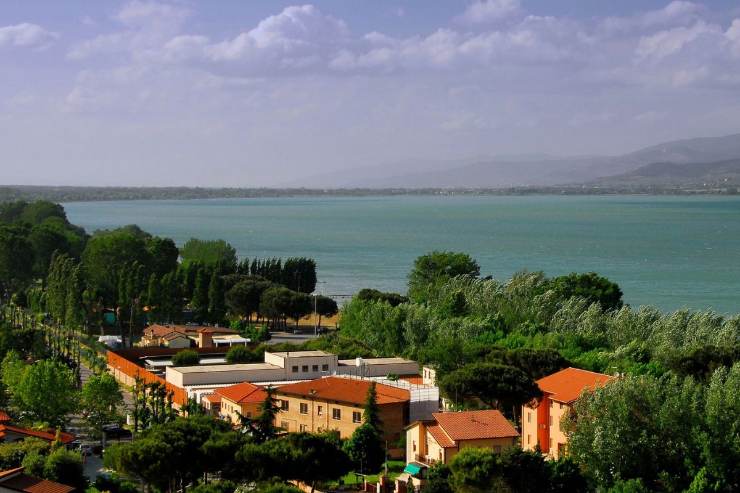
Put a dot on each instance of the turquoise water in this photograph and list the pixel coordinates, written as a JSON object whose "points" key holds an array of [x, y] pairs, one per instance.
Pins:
{"points": [[671, 252]]}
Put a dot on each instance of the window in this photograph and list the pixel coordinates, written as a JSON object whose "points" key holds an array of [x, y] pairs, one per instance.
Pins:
{"points": [[356, 416], [529, 417], [529, 439], [249, 414], [304, 368], [324, 367], [302, 428], [551, 444], [284, 405], [550, 420], [285, 425], [336, 414], [561, 405], [413, 444], [320, 410], [303, 408], [315, 368], [295, 369], [497, 449], [552, 404]]}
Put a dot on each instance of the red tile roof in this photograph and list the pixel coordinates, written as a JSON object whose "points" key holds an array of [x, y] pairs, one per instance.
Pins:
{"points": [[475, 425], [344, 390], [212, 398], [242, 393], [156, 330], [566, 385], [15, 479], [49, 436], [413, 379], [5, 417], [439, 436]]}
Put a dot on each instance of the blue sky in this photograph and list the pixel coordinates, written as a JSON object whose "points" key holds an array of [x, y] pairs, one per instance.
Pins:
{"points": [[248, 93]]}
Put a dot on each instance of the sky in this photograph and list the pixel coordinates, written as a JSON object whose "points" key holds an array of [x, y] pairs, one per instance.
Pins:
{"points": [[245, 93]]}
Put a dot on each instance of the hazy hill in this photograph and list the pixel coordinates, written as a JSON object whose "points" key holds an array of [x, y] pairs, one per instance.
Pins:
{"points": [[720, 173], [501, 172]]}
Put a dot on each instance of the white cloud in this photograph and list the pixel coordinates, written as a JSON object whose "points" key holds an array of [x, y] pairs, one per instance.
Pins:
{"points": [[26, 35], [678, 12], [733, 36], [486, 11], [671, 41]]}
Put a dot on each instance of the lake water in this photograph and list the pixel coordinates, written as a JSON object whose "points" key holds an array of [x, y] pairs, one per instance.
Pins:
{"points": [[671, 252]]}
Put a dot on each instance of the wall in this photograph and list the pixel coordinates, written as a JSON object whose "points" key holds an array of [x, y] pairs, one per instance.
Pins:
{"points": [[529, 428], [557, 437], [489, 443], [126, 372], [415, 434], [227, 374], [392, 415], [229, 410]]}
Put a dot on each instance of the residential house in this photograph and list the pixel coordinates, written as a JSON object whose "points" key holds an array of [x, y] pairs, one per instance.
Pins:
{"points": [[16, 481], [12, 433], [442, 437], [337, 403], [185, 336], [243, 398], [541, 420]]}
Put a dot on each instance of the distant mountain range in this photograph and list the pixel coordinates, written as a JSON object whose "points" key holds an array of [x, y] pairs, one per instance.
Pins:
{"points": [[716, 174], [670, 163]]}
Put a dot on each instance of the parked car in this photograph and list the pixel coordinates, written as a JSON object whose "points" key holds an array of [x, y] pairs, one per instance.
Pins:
{"points": [[116, 431]]}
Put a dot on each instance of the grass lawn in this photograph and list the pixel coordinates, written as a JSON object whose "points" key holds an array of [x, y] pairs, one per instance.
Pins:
{"points": [[395, 467]]}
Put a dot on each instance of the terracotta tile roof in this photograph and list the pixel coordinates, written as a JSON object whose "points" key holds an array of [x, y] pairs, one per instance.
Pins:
{"points": [[173, 335], [344, 390], [475, 425], [216, 330], [4, 417], [242, 393], [212, 398], [566, 385], [439, 436], [15, 479], [44, 435]]}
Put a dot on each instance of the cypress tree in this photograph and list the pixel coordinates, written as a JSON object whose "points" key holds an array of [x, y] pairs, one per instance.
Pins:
{"points": [[199, 301], [216, 301]]}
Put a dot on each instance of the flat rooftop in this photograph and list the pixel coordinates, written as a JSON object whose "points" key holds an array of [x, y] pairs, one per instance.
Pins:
{"points": [[225, 368], [301, 354], [376, 361], [162, 363]]}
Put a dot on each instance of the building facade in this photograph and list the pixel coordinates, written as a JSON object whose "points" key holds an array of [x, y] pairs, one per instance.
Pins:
{"points": [[337, 403], [542, 419], [442, 437]]}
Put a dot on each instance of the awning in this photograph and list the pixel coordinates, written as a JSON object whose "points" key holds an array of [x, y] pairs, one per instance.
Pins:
{"points": [[412, 468]]}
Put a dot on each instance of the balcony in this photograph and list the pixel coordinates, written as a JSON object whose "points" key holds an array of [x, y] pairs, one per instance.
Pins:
{"points": [[425, 460]]}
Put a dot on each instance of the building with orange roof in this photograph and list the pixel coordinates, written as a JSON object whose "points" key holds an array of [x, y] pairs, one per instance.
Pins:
{"points": [[337, 403], [243, 398], [15, 480], [541, 420], [11, 433], [185, 336], [442, 437]]}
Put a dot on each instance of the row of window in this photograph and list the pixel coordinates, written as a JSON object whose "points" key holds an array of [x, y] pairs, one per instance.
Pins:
{"points": [[314, 368], [336, 413]]}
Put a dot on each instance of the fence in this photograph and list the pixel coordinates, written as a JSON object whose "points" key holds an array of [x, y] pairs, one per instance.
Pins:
{"points": [[127, 372]]}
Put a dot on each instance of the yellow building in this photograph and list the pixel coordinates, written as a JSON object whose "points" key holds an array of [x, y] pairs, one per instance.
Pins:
{"points": [[541, 420], [440, 439], [337, 403], [243, 398]]}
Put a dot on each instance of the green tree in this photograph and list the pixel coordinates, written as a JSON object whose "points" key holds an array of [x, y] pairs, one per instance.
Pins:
{"points": [[498, 386], [366, 449], [276, 302], [47, 392], [393, 299], [100, 401], [16, 258], [243, 299], [199, 301], [186, 357], [240, 354], [591, 287], [65, 466], [215, 254], [434, 268], [371, 411], [163, 254], [325, 307], [216, 295], [299, 274]]}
